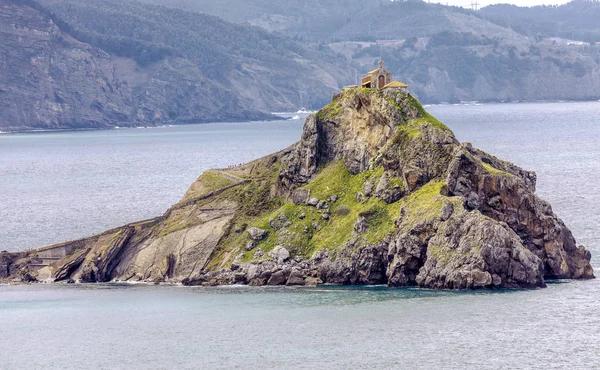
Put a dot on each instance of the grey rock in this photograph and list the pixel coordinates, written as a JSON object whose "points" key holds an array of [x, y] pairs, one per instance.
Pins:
{"points": [[251, 245], [300, 196], [361, 225], [296, 278], [279, 254], [368, 189], [447, 210], [313, 202], [257, 234], [277, 278]]}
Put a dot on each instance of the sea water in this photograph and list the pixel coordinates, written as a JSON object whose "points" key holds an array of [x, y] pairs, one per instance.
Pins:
{"points": [[57, 186]]}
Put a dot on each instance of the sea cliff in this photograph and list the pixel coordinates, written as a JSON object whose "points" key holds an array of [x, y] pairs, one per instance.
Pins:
{"points": [[377, 191]]}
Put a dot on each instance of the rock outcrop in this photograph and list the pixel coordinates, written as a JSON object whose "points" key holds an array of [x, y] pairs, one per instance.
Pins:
{"points": [[377, 191]]}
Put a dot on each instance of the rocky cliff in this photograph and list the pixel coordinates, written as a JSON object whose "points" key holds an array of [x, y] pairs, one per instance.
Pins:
{"points": [[377, 191]]}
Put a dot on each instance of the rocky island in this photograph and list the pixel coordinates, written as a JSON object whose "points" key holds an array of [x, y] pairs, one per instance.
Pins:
{"points": [[377, 191]]}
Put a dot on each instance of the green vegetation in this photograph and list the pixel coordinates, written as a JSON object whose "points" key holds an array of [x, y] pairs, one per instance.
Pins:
{"points": [[412, 127], [493, 170], [310, 232], [331, 110], [209, 181], [424, 204], [212, 180], [177, 220], [443, 255]]}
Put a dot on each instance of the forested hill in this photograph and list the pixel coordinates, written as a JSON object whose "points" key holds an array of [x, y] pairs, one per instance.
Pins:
{"points": [[445, 53], [364, 20], [270, 72], [577, 20], [333, 20], [102, 63]]}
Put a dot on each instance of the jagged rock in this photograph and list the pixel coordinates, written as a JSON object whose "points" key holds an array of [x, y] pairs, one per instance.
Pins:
{"points": [[447, 210], [361, 225], [313, 202], [300, 196], [322, 205], [69, 264], [302, 216], [279, 254], [325, 216], [251, 245], [258, 253], [296, 278], [469, 248], [368, 189], [277, 278], [257, 234], [332, 199]]}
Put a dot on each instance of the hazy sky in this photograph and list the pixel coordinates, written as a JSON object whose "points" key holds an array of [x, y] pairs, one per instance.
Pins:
{"points": [[467, 3]]}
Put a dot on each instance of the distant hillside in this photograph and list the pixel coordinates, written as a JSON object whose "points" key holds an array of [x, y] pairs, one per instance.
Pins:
{"points": [[331, 20], [502, 53], [101, 63], [453, 67], [577, 20]]}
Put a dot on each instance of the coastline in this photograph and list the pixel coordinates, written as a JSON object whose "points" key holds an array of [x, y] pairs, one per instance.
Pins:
{"points": [[277, 116], [268, 118]]}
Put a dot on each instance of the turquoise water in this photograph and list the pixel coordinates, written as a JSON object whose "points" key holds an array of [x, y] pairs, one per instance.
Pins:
{"points": [[148, 327], [66, 185]]}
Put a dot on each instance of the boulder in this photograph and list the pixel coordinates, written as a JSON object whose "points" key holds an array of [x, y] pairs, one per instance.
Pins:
{"points": [[296, 278], [279, 254], [312, 202], [277, 278], [257, 234], [300, 196]]}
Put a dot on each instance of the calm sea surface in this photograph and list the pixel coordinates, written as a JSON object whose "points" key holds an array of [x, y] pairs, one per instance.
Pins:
{"points": [[57, 186]]}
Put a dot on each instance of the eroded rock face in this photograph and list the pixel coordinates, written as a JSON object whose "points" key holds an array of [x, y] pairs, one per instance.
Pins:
{"points": [[510, 199], [376, 192]]}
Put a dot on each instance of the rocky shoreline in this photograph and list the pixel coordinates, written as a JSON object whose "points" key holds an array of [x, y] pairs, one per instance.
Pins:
{"points": [[377, 191]]}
